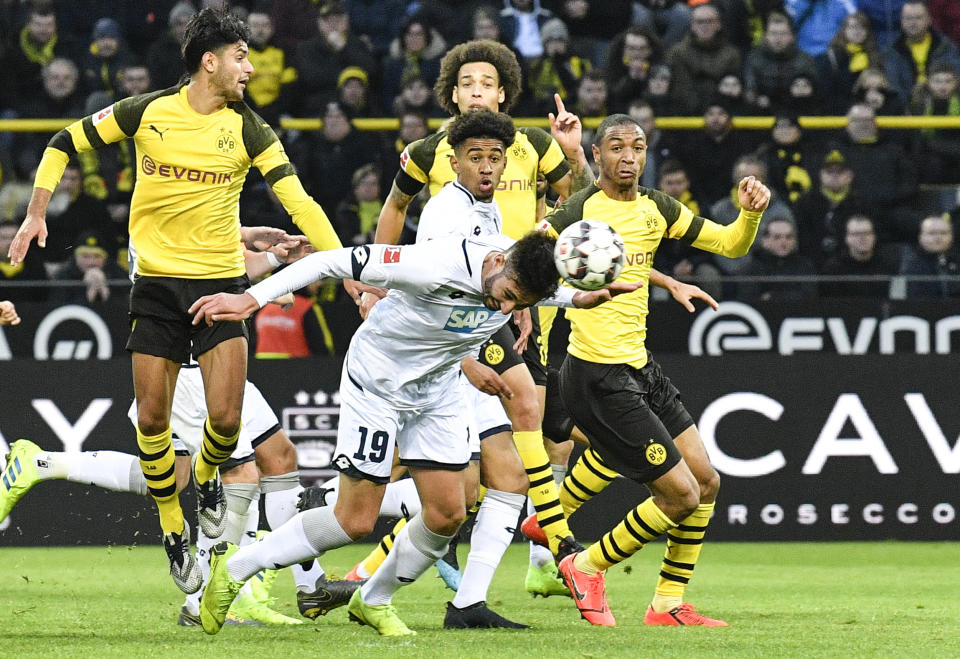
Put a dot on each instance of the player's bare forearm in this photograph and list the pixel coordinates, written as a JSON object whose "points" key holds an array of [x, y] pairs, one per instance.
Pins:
{"points": [[682, 292], [591, 299], [659, 279], [580, 171], [390, 222], [33, 226]]}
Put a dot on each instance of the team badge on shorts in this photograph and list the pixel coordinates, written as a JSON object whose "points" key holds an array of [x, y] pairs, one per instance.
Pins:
{"points": [[342, 463], [655, 453], [493, 354]]}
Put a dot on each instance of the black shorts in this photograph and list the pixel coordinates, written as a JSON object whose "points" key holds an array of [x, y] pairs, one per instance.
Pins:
{"points": [[497, 352], [630, 415], [557, 423], [161, 326], [533, 356]]}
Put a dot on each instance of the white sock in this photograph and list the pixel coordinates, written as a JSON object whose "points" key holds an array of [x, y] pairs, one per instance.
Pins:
{"points": [[281, 505], [306, 536], [192, 601], [53, 464], [334, 486], [400, 499], [280, 495], [253, 523], [415, 549], [110, 470], [539, 556], [240, 499], [492, 533], [307, 574]]}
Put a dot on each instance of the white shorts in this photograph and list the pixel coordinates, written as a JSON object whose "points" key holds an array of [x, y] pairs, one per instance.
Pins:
{"points": [[190, 412], [436, 436], [488, 412]]}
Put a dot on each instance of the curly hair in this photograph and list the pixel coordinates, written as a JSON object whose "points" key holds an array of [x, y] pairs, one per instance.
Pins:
{"points": [[492, 52], [493, 125], [209, 31], [530, 263]]}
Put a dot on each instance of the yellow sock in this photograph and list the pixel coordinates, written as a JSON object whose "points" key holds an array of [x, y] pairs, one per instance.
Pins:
{"points": [[375, 559], [640, 526], [481, 492], [157, 462], [683, 549], [543, 489], [588, 478], [215, 451]]}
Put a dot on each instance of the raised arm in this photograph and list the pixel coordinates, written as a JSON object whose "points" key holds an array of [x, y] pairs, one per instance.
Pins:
{"points": [[734, 239], [392, 215], [111, 124], [568, 131]]}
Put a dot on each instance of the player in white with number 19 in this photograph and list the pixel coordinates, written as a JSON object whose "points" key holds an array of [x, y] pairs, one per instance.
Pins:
{"points": [[399, 389]]}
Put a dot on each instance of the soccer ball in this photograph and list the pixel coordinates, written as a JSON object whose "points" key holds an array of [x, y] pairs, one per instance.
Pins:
{"points": [[589, 254]]}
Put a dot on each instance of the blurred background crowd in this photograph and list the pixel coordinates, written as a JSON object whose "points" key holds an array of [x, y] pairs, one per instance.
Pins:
{"points": [[851, 206]]}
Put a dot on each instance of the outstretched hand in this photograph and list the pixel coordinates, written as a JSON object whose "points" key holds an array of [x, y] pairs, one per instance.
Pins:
{"points": [[292, 250], [591, 299], [523, 319], [264, 238], [34, 226], [223, 306], [684, 293], [565, 128], [752, 194]]}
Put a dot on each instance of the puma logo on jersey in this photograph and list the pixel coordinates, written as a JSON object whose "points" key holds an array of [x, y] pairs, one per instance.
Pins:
{"points": [[158, 131], [466, 319]]}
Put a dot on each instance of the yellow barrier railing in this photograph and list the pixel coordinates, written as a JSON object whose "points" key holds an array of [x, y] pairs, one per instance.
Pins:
{"points": [[666, 123]]}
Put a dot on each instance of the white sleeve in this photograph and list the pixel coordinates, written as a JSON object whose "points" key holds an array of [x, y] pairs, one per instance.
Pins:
{"points": [[409, 267], [562, 298], [435, 223]]}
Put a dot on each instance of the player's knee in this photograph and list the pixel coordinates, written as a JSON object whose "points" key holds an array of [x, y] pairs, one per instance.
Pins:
{"points": [[709, 486], [508, 480], [276, 455], [151, 422], [357, 525], [445, 517], [524, 409], [225, 422], [681, 501], [688, 504]]}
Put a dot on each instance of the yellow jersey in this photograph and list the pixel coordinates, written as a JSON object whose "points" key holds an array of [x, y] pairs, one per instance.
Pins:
{"points": [[615, 332], [184, 214], [427, 162]]}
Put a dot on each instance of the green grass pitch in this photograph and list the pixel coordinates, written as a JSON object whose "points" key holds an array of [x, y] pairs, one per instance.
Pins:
{"points": [[782, 600]]}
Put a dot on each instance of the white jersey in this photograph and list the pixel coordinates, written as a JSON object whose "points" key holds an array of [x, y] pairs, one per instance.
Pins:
{"points": [[454, 211], [411, 345]]}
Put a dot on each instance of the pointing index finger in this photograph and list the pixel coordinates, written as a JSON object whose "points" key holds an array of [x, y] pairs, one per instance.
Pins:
{"points": [[560, 106]]}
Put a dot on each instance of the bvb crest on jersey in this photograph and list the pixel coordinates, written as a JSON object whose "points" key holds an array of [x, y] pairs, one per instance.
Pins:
{"points": [[226, 142]]}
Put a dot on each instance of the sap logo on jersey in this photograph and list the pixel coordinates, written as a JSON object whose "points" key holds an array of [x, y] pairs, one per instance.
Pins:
{"points": [[467, 319]]}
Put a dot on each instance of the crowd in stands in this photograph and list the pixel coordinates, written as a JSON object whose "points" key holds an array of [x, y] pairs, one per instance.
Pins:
{"points": [[846, 202]]}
